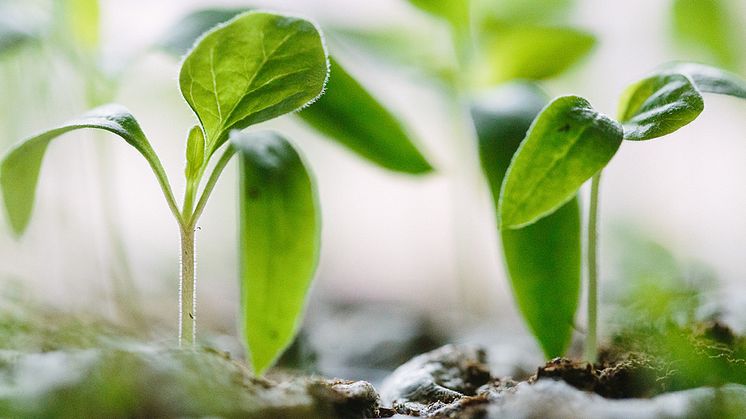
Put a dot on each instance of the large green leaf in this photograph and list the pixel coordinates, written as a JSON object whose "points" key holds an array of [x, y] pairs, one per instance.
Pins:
{"points": [[279, 242], [567, 144], [659, 105], [711, 28], [180, 37], [544, 259], [255, 67], [351, 116], [711, 79], [544, 264], [19, 168], [529, 52]]}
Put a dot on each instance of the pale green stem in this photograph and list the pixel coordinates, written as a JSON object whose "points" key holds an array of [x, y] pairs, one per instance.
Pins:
{"points": [[209, 186], [187, 288], [592, 336]]}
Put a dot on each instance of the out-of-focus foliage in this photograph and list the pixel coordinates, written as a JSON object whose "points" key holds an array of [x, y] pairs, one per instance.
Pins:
{"points": [[543, 260], [83, 20], [533, 52], [711, 29], [662, 309]]}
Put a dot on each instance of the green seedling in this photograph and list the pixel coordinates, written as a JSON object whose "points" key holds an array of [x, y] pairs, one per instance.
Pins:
{"points": [[569, 143], [255, 67]]}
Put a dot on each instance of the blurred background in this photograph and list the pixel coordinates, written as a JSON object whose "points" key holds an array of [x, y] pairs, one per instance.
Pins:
{"points": [[101, 235]]}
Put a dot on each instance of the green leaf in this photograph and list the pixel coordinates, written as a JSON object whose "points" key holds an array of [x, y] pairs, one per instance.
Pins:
{"points": [[195, 153], [83, 20], [19, 168], [279, 242], [711, 28], [567, 144], [710, 79], [530, 52], [180, 37], [255, 67], [348, 114], [544, 259], [456, 12], [659, 105], [525, 11], [544, 264]]}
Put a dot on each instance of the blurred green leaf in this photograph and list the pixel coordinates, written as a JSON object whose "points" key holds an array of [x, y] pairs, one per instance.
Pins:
{"points": [[567, 144], [279, 242], [456, 12], [83, 18], [524, 11], [529, 52], [658, 105], [180, 37], [283, 66], [543, 259], [711, 27], [544, 263], [711, 79], [428, 51], [19, 168], [348, 114]]}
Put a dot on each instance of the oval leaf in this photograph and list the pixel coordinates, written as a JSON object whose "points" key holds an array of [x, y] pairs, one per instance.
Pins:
{"points": [[279, 242], [255, 67], [567, 144], [195, 153], [348, 114], [711, 79], [19, 168], [659, 105], [544, 259]]}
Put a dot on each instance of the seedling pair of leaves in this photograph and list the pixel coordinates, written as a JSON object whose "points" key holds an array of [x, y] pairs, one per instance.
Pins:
{"points": [[569, 143], [256, 67]]}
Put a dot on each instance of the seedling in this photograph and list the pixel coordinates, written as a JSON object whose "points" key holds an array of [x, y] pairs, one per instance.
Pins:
{"points": [[255, 67], [569, 143]]}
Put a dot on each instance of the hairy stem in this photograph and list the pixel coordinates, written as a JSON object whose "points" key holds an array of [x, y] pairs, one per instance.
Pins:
{"points": [[592, 336], [187, 289]]}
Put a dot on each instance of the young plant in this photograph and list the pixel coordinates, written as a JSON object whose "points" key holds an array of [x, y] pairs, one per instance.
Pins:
{"points": [[569, 143], [255, 67]]}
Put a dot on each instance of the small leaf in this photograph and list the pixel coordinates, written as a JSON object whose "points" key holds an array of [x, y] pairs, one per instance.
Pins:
{"points": [[544, 264], [19, 168], [195, 153], [456, 12], [658, 105], [530, 52], [709, 27], [543, 260], [255, 67], [180, 37], [348, 114], [710, 79], [567, 144], [279, 242]]}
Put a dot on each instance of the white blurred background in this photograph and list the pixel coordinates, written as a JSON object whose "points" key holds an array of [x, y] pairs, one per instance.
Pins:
{"points": [[427, 240]]}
